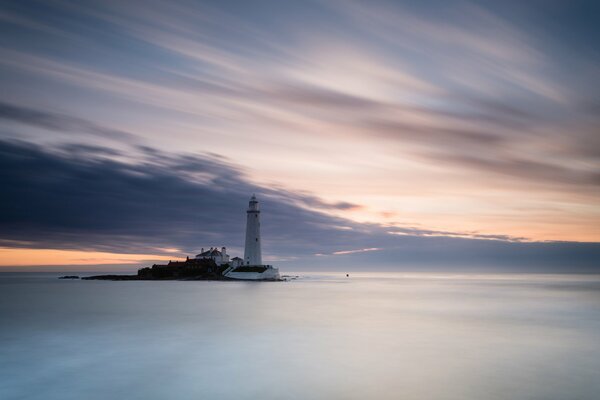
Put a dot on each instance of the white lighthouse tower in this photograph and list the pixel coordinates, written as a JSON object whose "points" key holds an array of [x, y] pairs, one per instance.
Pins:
{"points": [[252, 253], [253, 268]]}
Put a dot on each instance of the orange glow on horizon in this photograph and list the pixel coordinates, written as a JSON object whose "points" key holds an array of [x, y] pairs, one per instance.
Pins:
{"points": [[30, 257]]}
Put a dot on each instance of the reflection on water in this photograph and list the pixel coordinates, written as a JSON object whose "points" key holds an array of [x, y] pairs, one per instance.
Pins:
{"points": [[378, 336]]}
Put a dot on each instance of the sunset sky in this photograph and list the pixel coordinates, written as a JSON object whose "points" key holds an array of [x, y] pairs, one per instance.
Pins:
{"points": [[420, 131]]}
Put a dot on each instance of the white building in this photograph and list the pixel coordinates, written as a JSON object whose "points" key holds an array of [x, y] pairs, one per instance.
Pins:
{"points": [[252, 253], [252, 269], [219, 257], [236, 262]]}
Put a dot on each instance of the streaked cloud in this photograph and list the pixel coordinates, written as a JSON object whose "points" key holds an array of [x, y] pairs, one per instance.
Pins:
{"points": [[340, 252], [464, 119], [60, 122]]}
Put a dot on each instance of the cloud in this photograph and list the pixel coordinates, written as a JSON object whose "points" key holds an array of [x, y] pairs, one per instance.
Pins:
{"points": [[88, 199], [341, 252], [467, 235], [530, 170], [60, 122], [91, 200], [319, 97], [436, 136], [460, 113]]}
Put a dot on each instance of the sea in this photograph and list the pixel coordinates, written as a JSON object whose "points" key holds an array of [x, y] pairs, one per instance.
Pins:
{"points": [[317, 336]]}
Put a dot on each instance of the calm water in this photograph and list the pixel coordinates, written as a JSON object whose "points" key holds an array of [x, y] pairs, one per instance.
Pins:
{"points": [[318, 337]]}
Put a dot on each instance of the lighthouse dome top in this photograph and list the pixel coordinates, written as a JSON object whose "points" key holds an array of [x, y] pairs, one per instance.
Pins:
{"points": [[253, 205]]}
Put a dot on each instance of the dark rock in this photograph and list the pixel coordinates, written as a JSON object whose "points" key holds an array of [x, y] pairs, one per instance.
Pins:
{"points": [[113, 277], [190, 269]]}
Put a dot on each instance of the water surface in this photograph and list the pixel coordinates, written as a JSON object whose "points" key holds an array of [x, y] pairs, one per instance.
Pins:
{"points": [[323, 336]]}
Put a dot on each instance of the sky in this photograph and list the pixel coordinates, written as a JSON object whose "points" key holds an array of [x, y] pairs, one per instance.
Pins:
{"points": [[374, 133]]}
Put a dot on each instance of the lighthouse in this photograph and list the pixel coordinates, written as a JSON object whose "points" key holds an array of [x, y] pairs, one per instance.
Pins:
{"points": [[252, 253], [253, 268]]}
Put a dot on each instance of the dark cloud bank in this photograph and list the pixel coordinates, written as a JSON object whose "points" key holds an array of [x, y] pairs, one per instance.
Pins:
{"points": [[92, 198]]}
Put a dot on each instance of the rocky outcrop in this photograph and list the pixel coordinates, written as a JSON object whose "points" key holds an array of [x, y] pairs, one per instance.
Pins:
{"points": [[190, 269]]}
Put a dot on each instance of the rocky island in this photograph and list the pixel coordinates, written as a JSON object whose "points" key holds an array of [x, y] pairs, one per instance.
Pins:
{"points": [[190, 269], [213, 264]]}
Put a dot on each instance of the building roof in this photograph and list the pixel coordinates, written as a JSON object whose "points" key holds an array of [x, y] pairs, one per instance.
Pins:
{"points": [[177, 263], [210, 253]]}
